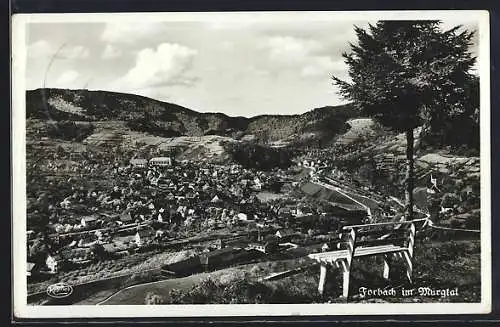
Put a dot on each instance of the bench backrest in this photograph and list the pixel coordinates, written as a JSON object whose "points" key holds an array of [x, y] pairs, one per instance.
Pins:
{"points": [[379, 234]]}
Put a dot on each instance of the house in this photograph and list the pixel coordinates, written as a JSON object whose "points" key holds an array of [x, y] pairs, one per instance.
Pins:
{"points": [[30, 269], [142, 236], [88, 241], [216, 199], [285, 211], [234, 242], [126, 218], [264, 247], [182, 210], [75, 255], [163, 183], [183, 268], [257, 184], [242, 216], [88, 221], [30, 234], [222, 258], [51, 264], [468, 190], [161, 161], [191, 195], [99, 235], [117, 248], [325, 248], [285, 233], [138, 163]]}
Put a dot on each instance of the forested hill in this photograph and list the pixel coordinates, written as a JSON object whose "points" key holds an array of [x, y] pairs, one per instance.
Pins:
{"points": [[167, 119]]}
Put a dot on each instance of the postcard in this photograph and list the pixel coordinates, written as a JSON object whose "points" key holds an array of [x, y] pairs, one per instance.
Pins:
{"points": [[251, 164]]}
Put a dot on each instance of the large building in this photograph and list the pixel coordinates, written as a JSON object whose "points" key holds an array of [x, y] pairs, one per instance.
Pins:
{"points": [[161, 161], [138, 163]]}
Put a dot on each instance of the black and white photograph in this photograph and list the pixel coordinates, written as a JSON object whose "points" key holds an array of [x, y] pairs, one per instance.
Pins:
{"points": [[251, 163]]}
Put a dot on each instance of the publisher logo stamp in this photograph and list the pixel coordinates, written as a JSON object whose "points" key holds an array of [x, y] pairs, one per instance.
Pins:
{"points": [[59, 290]]}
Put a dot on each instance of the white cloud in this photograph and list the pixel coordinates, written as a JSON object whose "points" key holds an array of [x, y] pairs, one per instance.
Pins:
{"points": [[307, 56], [66, 78], [227, 45], [39, 48], [166, 65], [322, 66], [232, 24], [288, 49], [130, 32], [73, 52], [110, 52]]}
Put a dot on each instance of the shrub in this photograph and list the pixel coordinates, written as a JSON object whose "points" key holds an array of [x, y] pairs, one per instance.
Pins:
{"points": [[449, 200], [153, 299]]}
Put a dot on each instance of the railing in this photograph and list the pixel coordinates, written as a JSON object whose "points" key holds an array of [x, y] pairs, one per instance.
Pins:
{"points": [[408, 222]]}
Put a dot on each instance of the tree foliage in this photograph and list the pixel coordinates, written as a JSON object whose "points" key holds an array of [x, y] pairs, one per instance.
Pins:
{"points": [[69, 130], [153, 299], [148, 125], [411, 73], [262, 157], [406, 74]]}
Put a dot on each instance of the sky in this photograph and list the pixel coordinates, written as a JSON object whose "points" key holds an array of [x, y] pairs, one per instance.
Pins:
{"points": [[243, 66]]}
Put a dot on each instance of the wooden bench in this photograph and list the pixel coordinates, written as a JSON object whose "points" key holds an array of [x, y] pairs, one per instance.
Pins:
{"points": [[392, 240]]}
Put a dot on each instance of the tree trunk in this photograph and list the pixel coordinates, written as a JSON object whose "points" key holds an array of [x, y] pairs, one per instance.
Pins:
{"points": [[409, 174]]}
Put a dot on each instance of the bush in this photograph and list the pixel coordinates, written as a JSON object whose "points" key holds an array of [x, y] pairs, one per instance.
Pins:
{"points": [[449, 200], [245, 291], [153, 299]]}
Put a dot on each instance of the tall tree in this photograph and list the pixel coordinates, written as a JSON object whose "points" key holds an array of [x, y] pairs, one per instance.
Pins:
{"points": [[401, 74]]}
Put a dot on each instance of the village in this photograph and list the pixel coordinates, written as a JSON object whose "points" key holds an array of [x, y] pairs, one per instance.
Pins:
{"points": [[159, 203]]}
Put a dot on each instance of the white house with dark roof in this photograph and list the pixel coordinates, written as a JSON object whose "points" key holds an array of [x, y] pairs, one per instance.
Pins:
{"points": [[142, 236], [30, 267], [88, 221], [51, 263]]}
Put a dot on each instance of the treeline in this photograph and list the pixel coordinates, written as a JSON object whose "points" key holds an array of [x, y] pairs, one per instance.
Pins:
{"points": [[69, 130], [149, 126], [257, 156]]}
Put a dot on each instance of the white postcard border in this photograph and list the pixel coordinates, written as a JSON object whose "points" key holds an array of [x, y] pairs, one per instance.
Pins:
{"points": [[18, 56]]}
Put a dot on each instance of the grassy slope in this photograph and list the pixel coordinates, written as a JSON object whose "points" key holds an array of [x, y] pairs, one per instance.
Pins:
{"points": [[458, 266]]}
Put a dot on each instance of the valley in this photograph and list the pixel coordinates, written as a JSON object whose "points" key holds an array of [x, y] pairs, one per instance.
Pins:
{"points": [[122, 188]]}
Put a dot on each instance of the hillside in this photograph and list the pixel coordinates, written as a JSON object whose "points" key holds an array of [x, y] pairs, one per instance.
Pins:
{"points": [[164, 119]]}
